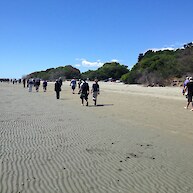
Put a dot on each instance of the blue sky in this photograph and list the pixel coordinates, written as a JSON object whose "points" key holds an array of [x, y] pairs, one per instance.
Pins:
{"points": [[40, 34]]}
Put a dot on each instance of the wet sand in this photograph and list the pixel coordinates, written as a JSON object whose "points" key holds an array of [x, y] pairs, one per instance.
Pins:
{"points": [[137, 140]]}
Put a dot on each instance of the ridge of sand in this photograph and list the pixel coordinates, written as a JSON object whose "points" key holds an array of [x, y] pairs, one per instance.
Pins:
{"points": [[130, 143]]}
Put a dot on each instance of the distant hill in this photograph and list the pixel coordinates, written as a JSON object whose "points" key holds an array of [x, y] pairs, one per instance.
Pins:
{"points": [[51, 74], [161, 67], [112, 70]]}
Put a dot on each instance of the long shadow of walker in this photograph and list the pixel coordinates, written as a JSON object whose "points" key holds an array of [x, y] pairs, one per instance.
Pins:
{"points": [[101, 105]]}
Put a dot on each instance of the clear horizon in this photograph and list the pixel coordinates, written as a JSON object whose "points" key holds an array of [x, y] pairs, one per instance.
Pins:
{"points": [[37, 35]]}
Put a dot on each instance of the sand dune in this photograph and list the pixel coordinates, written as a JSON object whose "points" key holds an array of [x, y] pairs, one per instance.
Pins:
{"points": [[137, 140]]}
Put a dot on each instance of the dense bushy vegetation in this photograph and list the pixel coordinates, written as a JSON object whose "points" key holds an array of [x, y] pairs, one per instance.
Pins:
{"points": [[112, 70], [108, 70], [161, 67], [66, 72], [152, 67]]}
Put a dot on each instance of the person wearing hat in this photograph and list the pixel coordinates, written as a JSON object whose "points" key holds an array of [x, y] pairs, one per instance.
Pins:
{"points": [[95, 91], [189, 89], [84, 92]]}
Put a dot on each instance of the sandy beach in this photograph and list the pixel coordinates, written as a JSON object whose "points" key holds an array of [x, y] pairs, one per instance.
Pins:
{"points": [[137, 140]]}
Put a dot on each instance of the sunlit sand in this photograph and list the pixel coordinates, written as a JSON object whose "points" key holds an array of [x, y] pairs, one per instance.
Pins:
{"points": [[136, 140]]}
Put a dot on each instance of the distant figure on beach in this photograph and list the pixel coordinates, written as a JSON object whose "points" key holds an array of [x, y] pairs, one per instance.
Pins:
{"points": [[45, 84], [186, 81], [184, 86], [57, 89], [189, 88], [30, 84], [37, 84], [73, 85], [34, 80], [24, 82], [95, 91], [27, 82], [79, 83], [84, 92]]}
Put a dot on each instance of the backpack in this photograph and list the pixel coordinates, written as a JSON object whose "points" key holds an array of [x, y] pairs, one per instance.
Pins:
{"points": [[84, 87]]}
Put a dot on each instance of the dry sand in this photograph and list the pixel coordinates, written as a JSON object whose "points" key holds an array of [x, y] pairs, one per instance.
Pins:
{"points": [[137, 140]]}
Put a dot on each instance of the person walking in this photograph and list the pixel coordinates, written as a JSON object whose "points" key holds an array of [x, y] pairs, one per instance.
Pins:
{"points": [[37, 84], [73, 85], [79, 83], [57, 89], [184, 85], [84, 92], [30, 84], [189, 88], [24, 82], [95, 91], [45, 85]]}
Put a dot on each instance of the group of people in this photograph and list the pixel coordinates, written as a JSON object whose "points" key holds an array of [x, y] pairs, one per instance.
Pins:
{"points": [[188, 91], [35, 83], [83, 90]]}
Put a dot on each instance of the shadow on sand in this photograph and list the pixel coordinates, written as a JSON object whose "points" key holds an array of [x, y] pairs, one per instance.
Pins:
{"points": [[101, 105]]}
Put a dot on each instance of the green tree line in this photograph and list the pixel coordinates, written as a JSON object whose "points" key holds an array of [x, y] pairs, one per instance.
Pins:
{"points": [[161, 66], [108, 70], [152, 67]]}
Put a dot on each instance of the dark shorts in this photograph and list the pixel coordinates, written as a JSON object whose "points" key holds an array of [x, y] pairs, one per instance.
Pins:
{"points": [[189, 97], [73, 87], [84, 96]]}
